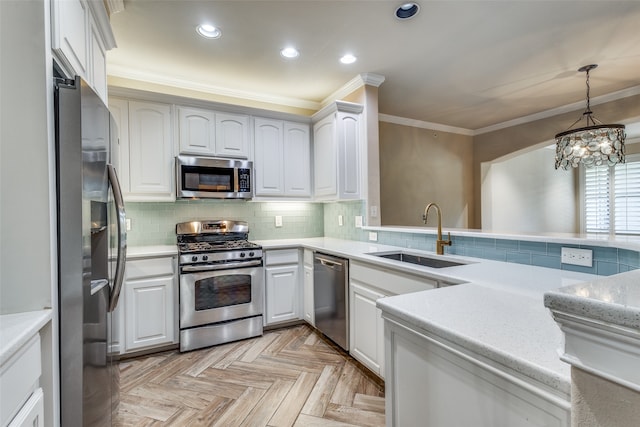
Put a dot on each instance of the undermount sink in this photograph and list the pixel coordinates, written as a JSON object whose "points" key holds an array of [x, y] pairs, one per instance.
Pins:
{"points": [[418, 259]]}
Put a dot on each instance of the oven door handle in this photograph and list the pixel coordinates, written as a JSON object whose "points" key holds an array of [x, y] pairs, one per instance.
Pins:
{"points": [[226, 266]]}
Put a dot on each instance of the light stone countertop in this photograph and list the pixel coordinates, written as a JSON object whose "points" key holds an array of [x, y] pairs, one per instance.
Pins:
{"points": [[613, 299], [496, 311], [16, 329], [151, 251]]}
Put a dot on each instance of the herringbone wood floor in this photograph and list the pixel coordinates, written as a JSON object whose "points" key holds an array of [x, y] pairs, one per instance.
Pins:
{"points": [[287, 377]]}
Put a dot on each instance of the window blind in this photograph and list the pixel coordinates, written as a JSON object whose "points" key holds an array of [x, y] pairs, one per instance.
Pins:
{"points": [[612, 198]]}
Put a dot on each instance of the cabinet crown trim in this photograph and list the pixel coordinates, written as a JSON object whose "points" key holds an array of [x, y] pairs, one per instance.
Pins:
{"points": [[337, 106]]}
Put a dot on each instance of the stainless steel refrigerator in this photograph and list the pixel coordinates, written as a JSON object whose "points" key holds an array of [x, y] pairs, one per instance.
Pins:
{"points": [[91, 254]]}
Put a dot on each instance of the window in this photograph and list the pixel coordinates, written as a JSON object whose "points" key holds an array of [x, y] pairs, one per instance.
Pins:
{"points": [[612, 198]]}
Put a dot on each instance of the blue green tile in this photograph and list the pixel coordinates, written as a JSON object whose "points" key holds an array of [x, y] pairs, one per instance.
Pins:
{"points": [[605, 254], [629, 258], [484, 243], [606, 268], [510, 245], [545, 261], [579, 268], [519, 257], [533, 247]]}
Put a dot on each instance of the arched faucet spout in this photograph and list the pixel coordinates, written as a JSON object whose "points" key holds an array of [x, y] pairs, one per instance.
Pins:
{"points": [[440, 244]]}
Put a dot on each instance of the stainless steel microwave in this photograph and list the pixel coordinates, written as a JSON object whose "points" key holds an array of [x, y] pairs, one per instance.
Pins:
{"points": [[211, 178]]}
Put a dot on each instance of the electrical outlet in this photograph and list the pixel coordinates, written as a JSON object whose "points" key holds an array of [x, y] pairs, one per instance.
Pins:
{"points": [[373, 236], [340, 221], [358, 221], [278, 220], [583, 257], [127, 222]]}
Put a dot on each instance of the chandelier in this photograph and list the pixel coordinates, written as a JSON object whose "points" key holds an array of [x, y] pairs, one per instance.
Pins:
{"points": [[595, 144]]}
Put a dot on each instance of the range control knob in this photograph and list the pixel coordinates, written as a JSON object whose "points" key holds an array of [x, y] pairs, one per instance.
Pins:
{"points": [[194, 258], [252, 253], [242, 255], [204, 257]]}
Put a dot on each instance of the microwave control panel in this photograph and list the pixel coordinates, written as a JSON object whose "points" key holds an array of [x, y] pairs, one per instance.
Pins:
{"points": [[244, 180]]}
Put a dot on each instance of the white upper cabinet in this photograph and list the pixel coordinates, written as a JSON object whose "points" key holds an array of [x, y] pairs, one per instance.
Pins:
{"points": [[282, 158], [211, 133], [232, 135], [151, 162], [146, 162], [338, 148], [196, 131], [268, 157], [81, 36]]}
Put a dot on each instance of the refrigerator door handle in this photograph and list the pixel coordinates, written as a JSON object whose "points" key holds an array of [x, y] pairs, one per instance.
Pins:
{"points": [[122, 238]]}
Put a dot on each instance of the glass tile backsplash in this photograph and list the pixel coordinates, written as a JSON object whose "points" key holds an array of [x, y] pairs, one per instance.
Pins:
{"points": [[154, 224]]}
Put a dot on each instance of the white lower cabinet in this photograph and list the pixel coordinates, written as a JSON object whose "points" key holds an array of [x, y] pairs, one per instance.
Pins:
{"points": [[282, 290], [430, 382], [32, 413], [307, 288], [366, 327], [149, 303], [368, 283]]}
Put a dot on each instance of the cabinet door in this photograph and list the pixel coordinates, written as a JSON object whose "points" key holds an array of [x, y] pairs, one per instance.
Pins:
{"points": [[196, 131], [325, 158], [151, 164], [297, 160], [70, 35], [282, 293], [149, 312], [268, 164], [367, 327], [309, 314], [98, 67], [119, 109], [232, 135], [349, 138]]}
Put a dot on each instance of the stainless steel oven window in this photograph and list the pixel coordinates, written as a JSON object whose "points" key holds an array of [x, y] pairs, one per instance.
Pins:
{"points": [[222, 291], [190, 316]]}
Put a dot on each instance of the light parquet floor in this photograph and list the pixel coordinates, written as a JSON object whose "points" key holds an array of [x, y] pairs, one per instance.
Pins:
{"points": [[287, 377]]}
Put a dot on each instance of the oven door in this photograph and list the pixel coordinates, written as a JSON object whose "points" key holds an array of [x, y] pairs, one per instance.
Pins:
{"points": [[218, 296]]}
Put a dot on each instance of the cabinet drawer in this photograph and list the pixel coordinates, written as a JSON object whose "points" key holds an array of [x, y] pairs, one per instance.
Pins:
{"points": [[281, 256], [391, 282], [149, 267], [19, 378]]}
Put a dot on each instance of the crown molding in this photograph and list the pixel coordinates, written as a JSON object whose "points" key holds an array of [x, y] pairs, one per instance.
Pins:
{"points": [[128, 73], [355, 83], [114, 6], [424, 125], [613, 96]]}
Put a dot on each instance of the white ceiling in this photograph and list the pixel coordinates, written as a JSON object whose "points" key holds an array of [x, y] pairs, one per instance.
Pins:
{"points": [[468, 64]]}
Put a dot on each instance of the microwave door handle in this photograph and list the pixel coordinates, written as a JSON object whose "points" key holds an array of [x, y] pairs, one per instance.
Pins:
{"points": [[122, 238]]}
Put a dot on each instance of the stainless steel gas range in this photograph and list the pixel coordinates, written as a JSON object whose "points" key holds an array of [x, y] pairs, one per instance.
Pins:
{"points": [[221, 283]]}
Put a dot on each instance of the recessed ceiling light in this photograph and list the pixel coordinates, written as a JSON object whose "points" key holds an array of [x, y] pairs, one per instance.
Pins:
{"points": [[407, 10], [348, 59], [209, 31], [290, 52]]}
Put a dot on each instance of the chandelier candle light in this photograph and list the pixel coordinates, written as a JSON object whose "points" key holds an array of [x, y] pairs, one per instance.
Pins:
{"points": [[595, 144]]}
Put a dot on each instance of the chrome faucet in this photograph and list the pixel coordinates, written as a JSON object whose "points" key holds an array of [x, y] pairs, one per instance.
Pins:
{"points": [[440, 244]]}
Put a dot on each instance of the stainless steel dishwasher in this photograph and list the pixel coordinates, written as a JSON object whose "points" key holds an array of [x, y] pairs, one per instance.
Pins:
{"points": [[331, 297]]}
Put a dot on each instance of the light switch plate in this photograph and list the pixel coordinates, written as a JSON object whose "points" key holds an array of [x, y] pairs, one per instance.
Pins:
{"points": [[278, 220], [574, 256], [128, 224], [373, 236], [358, 221], [340, 220]]}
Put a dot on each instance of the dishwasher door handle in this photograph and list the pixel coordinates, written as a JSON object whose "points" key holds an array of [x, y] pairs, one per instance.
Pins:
{"points": [[329, 263]]}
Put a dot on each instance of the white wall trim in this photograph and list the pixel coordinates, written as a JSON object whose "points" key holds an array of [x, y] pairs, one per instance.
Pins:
{"points": [[424, 125], [560, 110], [354, 84], [127, 73]]}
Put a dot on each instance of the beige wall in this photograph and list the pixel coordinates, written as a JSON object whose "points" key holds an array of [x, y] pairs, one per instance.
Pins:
{"points": [[419, 166], [493, 145], [596, 402]]}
